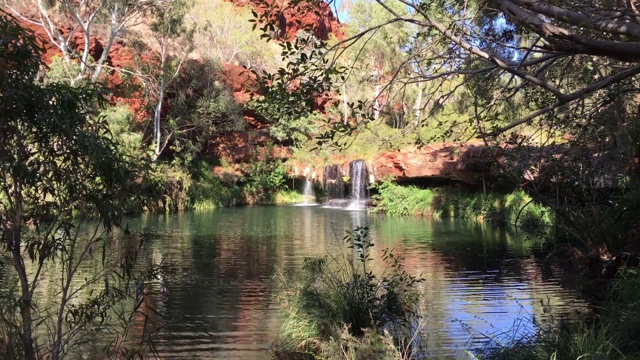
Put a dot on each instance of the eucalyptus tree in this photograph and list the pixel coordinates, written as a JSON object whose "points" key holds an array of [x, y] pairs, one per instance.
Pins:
{"points": [[172, 43], [531, 44], [371, 63], [64, 20], [58, 166]]}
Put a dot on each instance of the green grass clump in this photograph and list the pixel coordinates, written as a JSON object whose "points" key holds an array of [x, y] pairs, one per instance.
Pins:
{"points": [[288, 197], [339, 307], [515, 208]]}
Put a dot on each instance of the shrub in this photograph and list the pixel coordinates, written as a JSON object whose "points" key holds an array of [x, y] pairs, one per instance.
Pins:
{"points": [[59, 71], [175, 184], [515, 208], [120, 119], [289, 197], [265, 179], [340, 299], [209, 191]]}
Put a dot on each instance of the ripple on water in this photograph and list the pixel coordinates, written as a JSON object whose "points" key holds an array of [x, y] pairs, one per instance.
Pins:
{"points": [[223, 301]]}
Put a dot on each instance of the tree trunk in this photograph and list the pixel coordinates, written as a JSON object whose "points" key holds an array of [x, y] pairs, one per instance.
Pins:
{"points": [[156, 118], [419, 106], [53, 33], [344, 102], [25, 304], [18, 264], [104, 56], [57, 347], [376, 104], [85, 55]]}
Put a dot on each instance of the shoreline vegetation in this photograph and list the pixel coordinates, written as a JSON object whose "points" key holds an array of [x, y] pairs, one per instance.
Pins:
{"points": [[339, 309], [610, 334], [203, 190], [515, 209]]}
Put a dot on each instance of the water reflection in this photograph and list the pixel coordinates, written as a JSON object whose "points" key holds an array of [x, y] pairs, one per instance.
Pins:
{"points": [[222, 301]]}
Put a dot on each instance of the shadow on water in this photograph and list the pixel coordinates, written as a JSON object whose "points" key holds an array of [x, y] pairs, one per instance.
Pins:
{"points": [[222, 301]]}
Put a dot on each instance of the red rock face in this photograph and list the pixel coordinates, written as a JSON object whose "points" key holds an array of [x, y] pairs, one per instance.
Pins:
{"points": [[95, 45], [241, 82], [243, 85], [129, 93], [457, 162], [242, 147], [291, 19], [237, 147], [466, 163], [50, 50]]}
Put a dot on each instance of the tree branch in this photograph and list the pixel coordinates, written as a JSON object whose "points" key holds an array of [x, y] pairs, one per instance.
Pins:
{"points": [[580, 20], [573, 96], [500, 62], [563, 40]]}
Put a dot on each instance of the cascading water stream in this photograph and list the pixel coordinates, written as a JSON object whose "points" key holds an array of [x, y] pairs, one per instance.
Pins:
{"points": [[334, 186], [333, 183], [359, 184], [307, 192]]}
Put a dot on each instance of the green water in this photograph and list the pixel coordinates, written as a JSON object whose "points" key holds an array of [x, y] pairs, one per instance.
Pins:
{"points": [[222, 301], [216, 297]]}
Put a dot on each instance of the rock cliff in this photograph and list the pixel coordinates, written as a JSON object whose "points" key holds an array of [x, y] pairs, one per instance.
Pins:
{"points": [[467, 163]]}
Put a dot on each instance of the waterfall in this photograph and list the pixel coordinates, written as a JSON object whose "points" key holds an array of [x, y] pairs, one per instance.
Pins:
{"points": [[333, 183], [359, 182], [308, 193], [334, 186]]}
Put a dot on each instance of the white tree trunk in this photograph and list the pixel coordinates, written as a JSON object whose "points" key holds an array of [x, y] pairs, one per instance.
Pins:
{"points": [[418, 107], [344, 102], [156, 118], [376, 104], [105, 55]]}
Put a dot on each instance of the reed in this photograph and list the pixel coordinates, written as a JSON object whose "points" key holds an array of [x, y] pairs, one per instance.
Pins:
{"points": [[611, 335]]}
